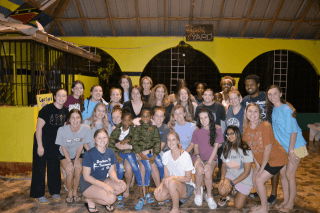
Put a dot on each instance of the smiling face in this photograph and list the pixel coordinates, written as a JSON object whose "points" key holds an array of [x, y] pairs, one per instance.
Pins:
{"points": [[158, 117], [146, 117], [160, 93], [231, 135], [274, 96], [115, 96], [127, 121], [204, 120], [253, 113], [101, 139], [179, 115], [234, 99], [75, 120], [200, 89], [125, 84], [100, 112], [77, 90], [252, 87], [60, 97], [96, 94], [226, 85], [116, 117], [172, 141], [184, 95], [218, 97], [146, 85], [136, 96], [207, 97]]}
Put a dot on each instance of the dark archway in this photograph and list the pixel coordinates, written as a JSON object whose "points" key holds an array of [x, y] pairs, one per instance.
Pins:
{"points": [[302, 79], [201, 69]]}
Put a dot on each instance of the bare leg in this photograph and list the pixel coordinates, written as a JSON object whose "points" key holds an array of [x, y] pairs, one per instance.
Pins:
{"points": [[274, 183], [262, 191], [128, 174], [240, 200], [177, 190], [208, 178], [143, 173], [76, 180], [155, 174], [199, 175], [285, 187], [69, 169]]}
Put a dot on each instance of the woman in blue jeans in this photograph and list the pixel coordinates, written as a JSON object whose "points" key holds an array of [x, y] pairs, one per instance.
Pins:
{"points": [[120, 143]]}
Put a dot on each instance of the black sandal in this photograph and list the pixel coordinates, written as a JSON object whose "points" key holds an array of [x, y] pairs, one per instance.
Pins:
{"points": [[109, 208], [88, 208]]}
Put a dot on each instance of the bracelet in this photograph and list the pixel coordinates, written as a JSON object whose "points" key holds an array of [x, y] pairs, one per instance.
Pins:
{"points": [[197, 155], [175, 177], [232, 184], [291, 151]]}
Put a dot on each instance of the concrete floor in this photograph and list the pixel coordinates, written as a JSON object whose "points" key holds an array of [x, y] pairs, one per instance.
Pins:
{"points": [[14, 195]]}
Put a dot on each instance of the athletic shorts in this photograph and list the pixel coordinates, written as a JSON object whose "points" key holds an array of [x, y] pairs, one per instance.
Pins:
{"points": [[273, 170]]}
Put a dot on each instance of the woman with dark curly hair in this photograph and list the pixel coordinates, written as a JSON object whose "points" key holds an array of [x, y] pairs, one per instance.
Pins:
{"points": [[206, 140]]}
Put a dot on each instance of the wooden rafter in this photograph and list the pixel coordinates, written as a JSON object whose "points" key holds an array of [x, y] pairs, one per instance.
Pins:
{"points": [[274, 19], [191, 13], [247, 18], [60, 28], [137, 19], [301, 20], [109, 17], [164, 18], [81, 18], [220, 16], [54, 7], [58, 12]]}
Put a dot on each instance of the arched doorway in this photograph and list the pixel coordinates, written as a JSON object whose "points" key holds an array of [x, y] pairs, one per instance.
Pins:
{"points": [[164, 68], [302, 85]]}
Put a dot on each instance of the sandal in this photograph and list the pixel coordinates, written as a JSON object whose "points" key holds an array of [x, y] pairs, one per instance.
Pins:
{"points": [[120, 203], [56, 197], [140, 204], [109, 208], [149, 199], [42, 200], [76, 198], [223, 202], [88, 208], [163, 202], [69, 200]]}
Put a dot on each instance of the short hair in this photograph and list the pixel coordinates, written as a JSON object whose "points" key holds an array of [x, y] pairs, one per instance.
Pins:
{"points": [[254, 77]]}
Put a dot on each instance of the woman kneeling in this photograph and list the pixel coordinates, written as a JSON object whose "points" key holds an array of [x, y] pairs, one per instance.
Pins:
{"points": [[177, 183], [98, 163]]}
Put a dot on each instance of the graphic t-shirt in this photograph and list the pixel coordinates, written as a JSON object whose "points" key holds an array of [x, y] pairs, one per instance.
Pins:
{"points": [[217, 110], [283, 124], [72, 103], [235, 120], [185, 133], [100, 163], [235, 164], [201, 137], [163, 131], [262, 136], [54, 118], [72, 140], [260, 100]]}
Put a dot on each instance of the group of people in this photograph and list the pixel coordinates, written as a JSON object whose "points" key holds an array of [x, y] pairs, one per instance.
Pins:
{"points": [[178, 139]]}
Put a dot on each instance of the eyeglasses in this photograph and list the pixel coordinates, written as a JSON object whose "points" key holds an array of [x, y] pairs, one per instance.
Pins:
{"points": [[231, 133]]}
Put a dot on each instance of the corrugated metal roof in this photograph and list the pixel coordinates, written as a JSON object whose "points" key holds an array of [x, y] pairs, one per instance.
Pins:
{"points": [[298, 19]]}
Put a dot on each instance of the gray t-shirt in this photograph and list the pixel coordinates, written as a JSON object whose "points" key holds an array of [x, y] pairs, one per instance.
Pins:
{"points": [[72, 140], [235, 165], [97, 126], [163, 131]]}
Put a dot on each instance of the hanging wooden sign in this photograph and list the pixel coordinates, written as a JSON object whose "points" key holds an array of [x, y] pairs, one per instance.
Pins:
{"points": [[199, 32]]}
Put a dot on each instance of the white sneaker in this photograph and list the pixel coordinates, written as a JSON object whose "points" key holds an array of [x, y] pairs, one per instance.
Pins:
{"points": [[198, 198], [211, 203]]}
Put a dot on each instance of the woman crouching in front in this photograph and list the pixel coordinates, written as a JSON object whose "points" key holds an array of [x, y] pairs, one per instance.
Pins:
{"points": [[99, 163], [177, 183]]}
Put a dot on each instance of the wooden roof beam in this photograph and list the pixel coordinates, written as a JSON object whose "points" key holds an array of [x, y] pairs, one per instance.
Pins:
{"points": [[109, 17], [301, 20], [58, 12], [274, 19], [191, 13], [220, 16], [248, 17], [164, 17], [81, 17], [137, 19], [60, 28]]}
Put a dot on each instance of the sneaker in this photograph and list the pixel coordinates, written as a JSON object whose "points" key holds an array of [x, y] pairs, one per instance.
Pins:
{"points": [[254, 195], [42, 200], [211, 203], [272, 199], [198, 198], [56, 197]]}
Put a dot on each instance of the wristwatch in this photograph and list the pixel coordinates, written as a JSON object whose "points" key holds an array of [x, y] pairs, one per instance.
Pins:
{"points": [[232, 184]]}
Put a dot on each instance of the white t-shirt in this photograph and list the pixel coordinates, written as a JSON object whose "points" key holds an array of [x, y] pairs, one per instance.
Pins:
{"points": [[123, 134], [178, 167]]}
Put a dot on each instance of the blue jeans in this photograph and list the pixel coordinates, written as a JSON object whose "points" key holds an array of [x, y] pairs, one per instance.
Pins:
{"points": [[147, 166], [131, 158]]}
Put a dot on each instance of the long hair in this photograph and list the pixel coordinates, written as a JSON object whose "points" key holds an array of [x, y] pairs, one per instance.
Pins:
{"points": [[81, 98], [148, 79], [189, 102], [93, 117], [246, 120], [172, 132], [140, 90], [212, 125], [92, 88], [73, 111], [111, 90], [180, 83], [172, 121], [153, 100], [130, 87], [237, 144], [269, 104]]}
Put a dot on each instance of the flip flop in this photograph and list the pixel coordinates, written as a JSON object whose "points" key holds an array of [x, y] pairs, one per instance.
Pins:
{"points": [[76, 198], [120, 203], [278, 207], [140, 204], [88, 208], [42, 200], [71, 200], [163, 202], [149, 199]]}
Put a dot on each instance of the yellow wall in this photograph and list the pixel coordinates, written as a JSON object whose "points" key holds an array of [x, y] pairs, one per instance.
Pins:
{"points": [[88, 83], [231, 55]]}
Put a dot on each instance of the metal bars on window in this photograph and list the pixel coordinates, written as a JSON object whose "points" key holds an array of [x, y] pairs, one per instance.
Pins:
{"points": [[280, 70]]}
